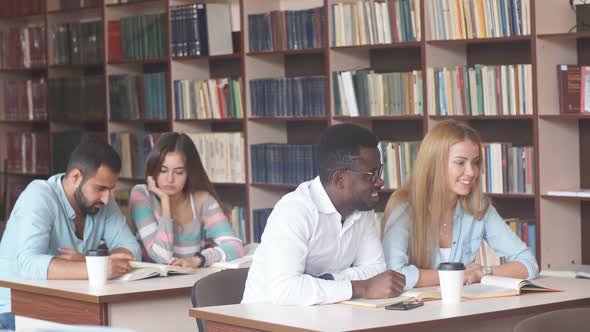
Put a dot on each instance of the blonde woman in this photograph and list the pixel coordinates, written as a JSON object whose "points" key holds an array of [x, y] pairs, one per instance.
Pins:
{"points": [[441, 214]]}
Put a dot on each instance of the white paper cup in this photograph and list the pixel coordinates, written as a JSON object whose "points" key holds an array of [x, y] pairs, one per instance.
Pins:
{"points": [[451, 277], [97, 265]]}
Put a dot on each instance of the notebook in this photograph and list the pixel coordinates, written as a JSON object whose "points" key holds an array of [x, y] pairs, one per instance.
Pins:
{"points": [[415, 294]]}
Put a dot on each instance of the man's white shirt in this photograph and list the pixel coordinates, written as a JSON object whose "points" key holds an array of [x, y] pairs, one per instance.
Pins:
{"points": [[304, 238]]}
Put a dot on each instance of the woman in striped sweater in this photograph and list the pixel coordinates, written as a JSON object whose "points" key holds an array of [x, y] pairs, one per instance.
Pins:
{"points": [[178, 210]]}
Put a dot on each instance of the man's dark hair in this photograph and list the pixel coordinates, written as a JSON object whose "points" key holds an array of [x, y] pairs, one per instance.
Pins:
{"points": [[92, 153], [338, 146]]}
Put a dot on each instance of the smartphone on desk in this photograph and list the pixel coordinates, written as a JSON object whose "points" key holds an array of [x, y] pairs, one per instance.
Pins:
{"points": [[406, 305]]}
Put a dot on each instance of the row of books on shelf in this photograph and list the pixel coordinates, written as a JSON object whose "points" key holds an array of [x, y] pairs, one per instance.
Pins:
{"points": [[23, 99], [137, 37], [507, 169], [134, 97], [216, 98], [201, 29], [283, 163], [367, 93], [222, 155], [260, 217], [26, 152], [463, 19], [481, 90], [23, 47], [288, 97], [20, 8], [525, 230], [77, 43], [133, 149], [398, 162], [76, 98], [375, 22], [286, 30]]}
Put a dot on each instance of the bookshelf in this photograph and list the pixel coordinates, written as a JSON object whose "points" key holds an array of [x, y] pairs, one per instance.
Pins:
{"points": [[562, 225], [567, 219]]}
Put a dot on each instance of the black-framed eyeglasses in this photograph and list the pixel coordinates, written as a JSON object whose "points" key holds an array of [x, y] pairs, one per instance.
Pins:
{"points": [[375, 176]]}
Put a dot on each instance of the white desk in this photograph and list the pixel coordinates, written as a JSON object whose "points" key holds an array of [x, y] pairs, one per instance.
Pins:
{"points": [[498, 314], [155, 304]]}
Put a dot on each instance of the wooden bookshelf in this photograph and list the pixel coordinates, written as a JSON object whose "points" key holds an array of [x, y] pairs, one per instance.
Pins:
{"points": [[561, 143], [563, 139]]}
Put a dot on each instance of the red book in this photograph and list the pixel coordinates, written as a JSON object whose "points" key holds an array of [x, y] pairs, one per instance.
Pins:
{"points": [[222, 89], [39, 91], [114, 42], [27, 153], [393, 21], [569, 88], [14, 148]]}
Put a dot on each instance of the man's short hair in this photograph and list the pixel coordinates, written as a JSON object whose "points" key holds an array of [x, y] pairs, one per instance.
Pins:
{"points": [[92, 153], [338, 146]]}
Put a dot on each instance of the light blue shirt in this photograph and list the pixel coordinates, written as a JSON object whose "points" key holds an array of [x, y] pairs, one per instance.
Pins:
{"points": [[42, 221], [468, 234]]}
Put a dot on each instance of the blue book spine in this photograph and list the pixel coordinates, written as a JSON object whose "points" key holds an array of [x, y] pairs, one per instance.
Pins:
{"points": [[254, 161], [532, 243], [202, 26]]}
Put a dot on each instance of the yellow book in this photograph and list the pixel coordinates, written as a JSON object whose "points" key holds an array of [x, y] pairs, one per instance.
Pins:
{"points": [[415, 294]]}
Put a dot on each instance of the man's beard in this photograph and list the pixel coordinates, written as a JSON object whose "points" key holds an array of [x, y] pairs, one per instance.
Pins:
{"points": [[82, 202]]}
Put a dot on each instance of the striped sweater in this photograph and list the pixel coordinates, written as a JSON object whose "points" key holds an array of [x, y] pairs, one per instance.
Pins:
{"points": [[162, 239]]}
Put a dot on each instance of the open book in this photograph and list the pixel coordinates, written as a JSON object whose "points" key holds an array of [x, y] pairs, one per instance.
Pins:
{"points": [[143, 270], [494, 286], [576, 271], [415, 294], [238, 263], [244, 261]]}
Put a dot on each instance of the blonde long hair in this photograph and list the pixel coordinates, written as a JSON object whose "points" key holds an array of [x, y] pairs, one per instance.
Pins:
{"points": [[427, 189]]}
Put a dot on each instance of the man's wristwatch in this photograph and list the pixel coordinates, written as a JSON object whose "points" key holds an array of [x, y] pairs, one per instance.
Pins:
{"points": [[486, 270]]}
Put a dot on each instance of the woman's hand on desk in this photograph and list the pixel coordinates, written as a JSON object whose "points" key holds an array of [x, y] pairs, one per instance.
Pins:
{"points": [[193, 262], [473, 274]]}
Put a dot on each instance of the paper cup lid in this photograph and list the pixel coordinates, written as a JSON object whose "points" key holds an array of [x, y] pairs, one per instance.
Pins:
{"points": [[97, 252], [451, 266]]}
